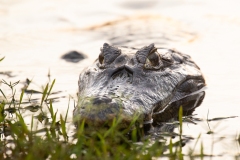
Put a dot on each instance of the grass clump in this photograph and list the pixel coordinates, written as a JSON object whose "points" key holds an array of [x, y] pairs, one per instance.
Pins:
{"points": [[48, 137]]}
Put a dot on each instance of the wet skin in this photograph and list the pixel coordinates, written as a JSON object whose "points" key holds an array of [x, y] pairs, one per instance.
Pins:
{"points": [[150, 83]]}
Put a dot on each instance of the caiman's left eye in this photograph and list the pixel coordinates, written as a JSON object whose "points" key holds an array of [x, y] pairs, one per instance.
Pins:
{"points": [[153, 60]]}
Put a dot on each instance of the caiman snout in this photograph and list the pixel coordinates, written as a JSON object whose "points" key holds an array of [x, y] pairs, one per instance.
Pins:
{"points": [[101, 111]]}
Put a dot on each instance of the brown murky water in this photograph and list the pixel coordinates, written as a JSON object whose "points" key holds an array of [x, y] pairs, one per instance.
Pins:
{"points": [[35, 34]]}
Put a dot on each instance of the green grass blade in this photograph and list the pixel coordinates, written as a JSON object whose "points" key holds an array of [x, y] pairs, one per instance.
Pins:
{"points": [[4, 82], [44, 94], [50, 108], [103, 145], [170, 147], [3, 94], [201, 152], [15, 83], [32, 124], [2, 59], [63, 127], [21, 97], [23, 124], [2, 115], [192, 151], [180, 134], [50, 89], [65, 119], [180, 119]]}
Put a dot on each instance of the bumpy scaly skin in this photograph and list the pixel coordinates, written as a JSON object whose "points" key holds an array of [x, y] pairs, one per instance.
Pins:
{"points": [[150, 83]]}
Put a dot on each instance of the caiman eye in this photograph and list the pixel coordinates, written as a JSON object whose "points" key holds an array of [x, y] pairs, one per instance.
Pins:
{"points": [[108, 55], [101, 58], [153, 60]]}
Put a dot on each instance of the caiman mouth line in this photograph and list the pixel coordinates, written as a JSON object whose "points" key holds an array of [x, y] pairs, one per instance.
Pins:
{"points": [[202, 90]]}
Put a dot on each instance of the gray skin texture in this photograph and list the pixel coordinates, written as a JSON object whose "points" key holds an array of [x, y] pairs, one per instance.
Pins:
{"points": [[148, 83]]}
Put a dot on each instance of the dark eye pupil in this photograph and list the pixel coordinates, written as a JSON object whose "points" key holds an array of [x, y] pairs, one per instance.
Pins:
{"points": [[153, 58], [101, 59]]}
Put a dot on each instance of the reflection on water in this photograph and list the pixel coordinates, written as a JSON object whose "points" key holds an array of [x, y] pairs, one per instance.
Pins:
{"points": [[34, 35], [142, 30]]}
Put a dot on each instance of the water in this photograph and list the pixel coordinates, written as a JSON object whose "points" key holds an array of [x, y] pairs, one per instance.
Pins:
{"points": [[35, 34]]}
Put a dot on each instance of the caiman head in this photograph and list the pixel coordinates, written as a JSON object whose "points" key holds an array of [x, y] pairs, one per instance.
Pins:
{"points": [[150, 83]]}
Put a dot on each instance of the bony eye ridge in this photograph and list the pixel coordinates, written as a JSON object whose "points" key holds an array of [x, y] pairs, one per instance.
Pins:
{"points": [[153, 60], [108, 54]]}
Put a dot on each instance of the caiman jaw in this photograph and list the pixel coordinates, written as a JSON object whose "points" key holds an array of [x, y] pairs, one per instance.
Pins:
{"points": [[188, 101]]}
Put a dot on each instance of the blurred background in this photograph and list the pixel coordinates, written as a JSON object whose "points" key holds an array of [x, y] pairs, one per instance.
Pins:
{"points": [[35, 34]]}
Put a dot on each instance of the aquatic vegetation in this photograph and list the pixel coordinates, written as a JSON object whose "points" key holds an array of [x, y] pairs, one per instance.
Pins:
{"points": [[52, 140], [48, 135]]}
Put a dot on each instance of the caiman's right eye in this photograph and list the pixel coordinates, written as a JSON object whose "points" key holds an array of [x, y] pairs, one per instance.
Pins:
{"points": [[153, 60], [149, 58]]}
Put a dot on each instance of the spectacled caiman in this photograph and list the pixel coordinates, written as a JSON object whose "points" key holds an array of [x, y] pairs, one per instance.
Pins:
{"points": [[149, 82]]}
